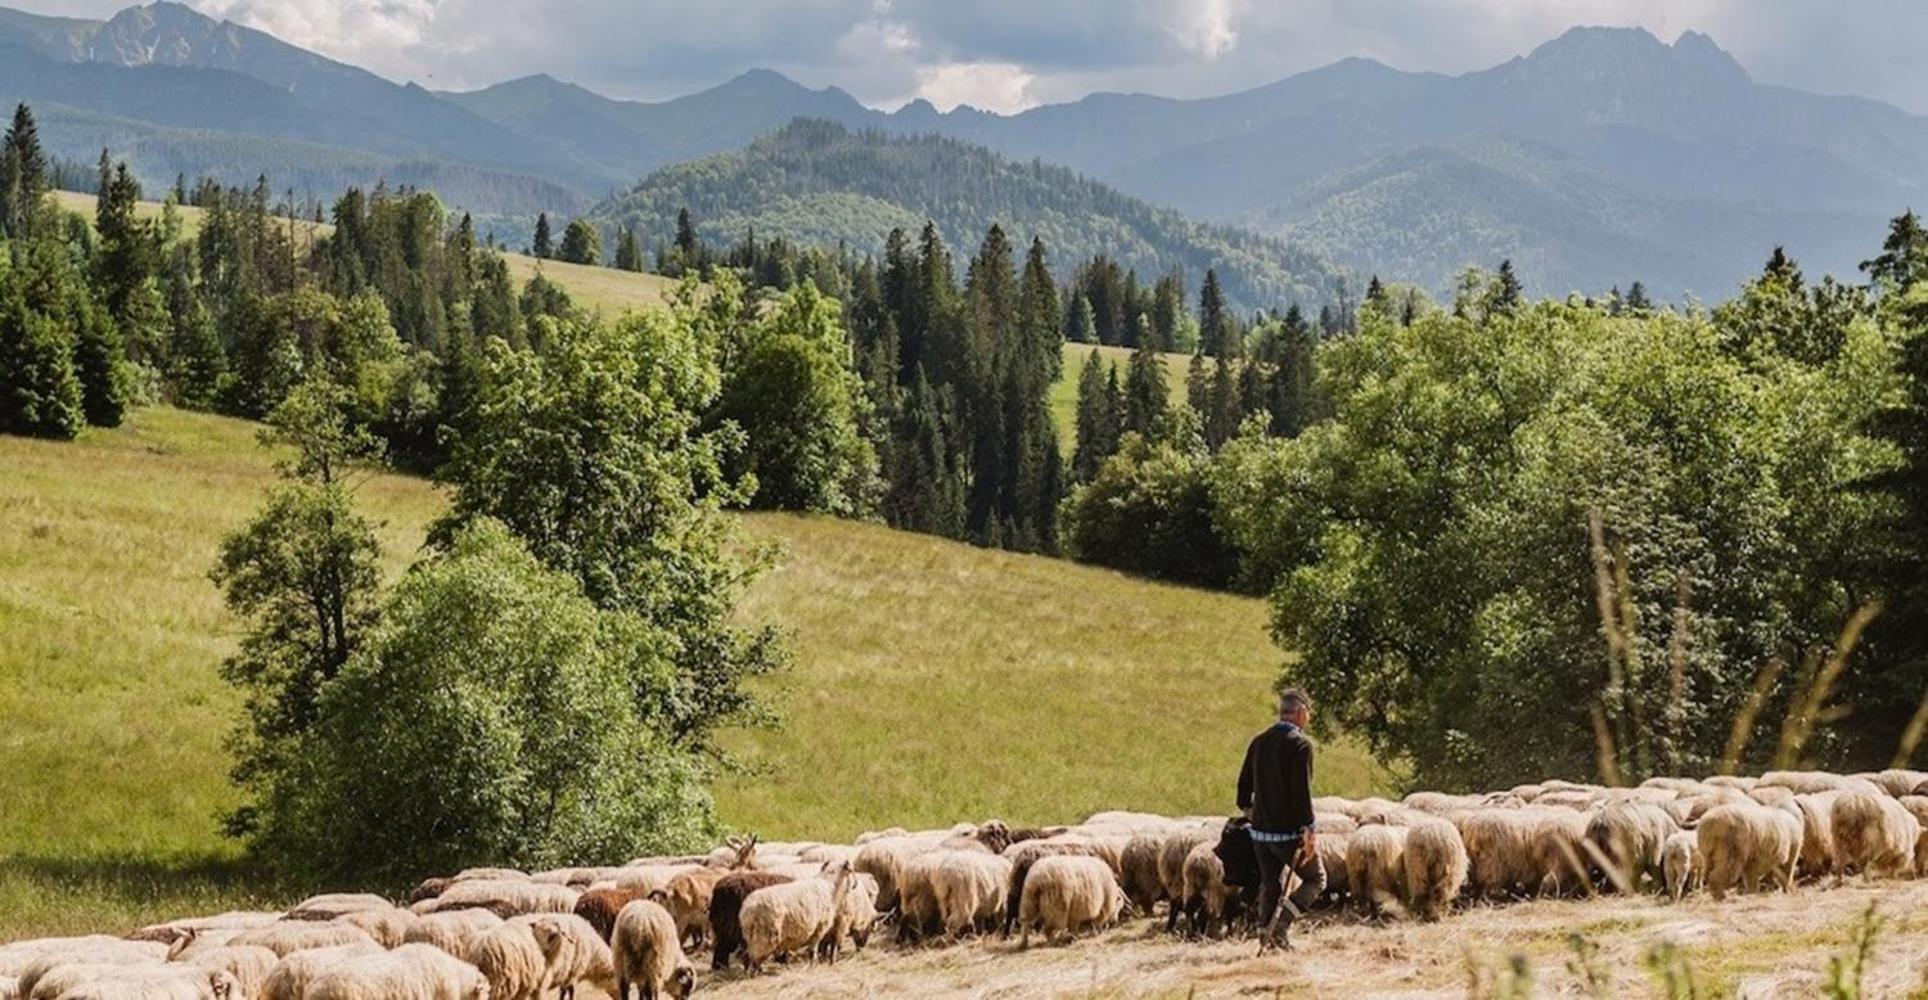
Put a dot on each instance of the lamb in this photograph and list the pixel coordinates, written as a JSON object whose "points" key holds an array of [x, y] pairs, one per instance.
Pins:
{"points": [[1376, 866], [509, 958], [646, 953], [726, 908], [1680, 862], [1874, 834], [970, 891], [1742, 844], [572, 952], [794, 918], [1068, 894], [451, 930], [290, 977], [1210, 903], [600, 906], [506, 898], [1435, 863], [1627, 836], [328, 906], [289, 936], [411, 972]]}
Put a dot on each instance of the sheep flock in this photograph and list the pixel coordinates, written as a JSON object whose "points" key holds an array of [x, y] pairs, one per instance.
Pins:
{"points": [[637, 929]]}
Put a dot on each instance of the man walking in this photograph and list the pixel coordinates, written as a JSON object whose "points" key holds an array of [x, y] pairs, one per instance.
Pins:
{"points": [[1275, 790]]}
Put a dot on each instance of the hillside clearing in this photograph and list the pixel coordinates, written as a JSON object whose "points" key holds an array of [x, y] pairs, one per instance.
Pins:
{"points": [[933, 681]]}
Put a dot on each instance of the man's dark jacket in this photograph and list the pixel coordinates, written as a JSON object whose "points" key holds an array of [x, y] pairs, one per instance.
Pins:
{"points": [[1276, 782]]}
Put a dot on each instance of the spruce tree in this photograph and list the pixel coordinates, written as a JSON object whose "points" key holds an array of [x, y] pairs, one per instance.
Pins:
{"points": [[1080, 327], [196, 362], [629, 253], [40, 394], [1222, 412], [125, 258], [1167, 311], [1098, 417], [541, 247], [1198, 386], [1214, 326], [24, 177], [106, 383], [1903, 259], [978, 368], [1507, 293], [1637, 301], [1147, 393]]}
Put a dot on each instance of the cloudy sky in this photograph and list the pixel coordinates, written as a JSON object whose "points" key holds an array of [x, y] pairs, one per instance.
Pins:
{"points": [[1006, 55]]}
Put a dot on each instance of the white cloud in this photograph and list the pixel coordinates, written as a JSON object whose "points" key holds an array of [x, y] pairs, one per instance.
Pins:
{"points": [[1204, 27], [1001, 87]]}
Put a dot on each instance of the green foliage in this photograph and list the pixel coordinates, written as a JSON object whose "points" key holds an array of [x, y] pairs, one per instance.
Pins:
{"points": [[791, 388], [542, 246], [581, 244], [1100, 417], [39, 393], [592, 452], [497, 717], [1846, 973], [629, 253], [106, 379], [1431, 546], [24, 179], [1149, 510]]}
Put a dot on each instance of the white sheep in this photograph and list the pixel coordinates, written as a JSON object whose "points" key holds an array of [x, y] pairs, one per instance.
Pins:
{"points": [[1435, 865], [1206, 897], [855, 917], [289, 936], [411, 972], [794, 917], [1743, 844], [328, 906], [451, 930], [1680, 862], [249, 964], [507, 898], [1817, 834], [646, 953], [1627, 835], [1376, 866], [290, 977], [573, 952], [16, 957], [1068, 894], [970, 891], [509, 958], [1874, 834]]}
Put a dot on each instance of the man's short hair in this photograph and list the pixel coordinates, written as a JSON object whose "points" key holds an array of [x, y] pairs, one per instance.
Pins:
{"points": [[1292, 699]]}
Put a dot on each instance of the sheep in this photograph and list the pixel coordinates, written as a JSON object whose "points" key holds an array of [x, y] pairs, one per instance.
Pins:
{"points": [[918, 915], [506, 898], [1874, 835], [1171, 867], [572, 952], [1499, 851], [1333, 849], [829, 854], [67, 967], [509, 958], [1375, 866], [1210, 903], [969, 889], [1068, 894], [576, 878], [220, 925], [1527, 792], [290, 977], [1435, 864], [387, 925], [1898, 782], [687, 897], [15, 957], [884, 860], [600, 906], [1808, 782], [796, 916], [1325, 824], [450, 930], [1741, 844], [289, 936], [1679, 786], [855, 917], [890, 833], [249, 964], [1680, 862], [646, 953], [1557, 840], [1440, 802], [1626, 837], [1138, 872], [645, 879], [726, 908], [413, 971], [1737, 782], [139, 981], [1778, 796], [330, 905], [1817, 834]]}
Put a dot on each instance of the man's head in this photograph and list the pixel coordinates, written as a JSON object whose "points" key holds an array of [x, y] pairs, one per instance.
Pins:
{"points": [[1295, 706]]}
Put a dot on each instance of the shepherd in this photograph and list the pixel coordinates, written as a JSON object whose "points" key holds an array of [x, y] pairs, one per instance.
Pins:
{"points": [[1275, 791]]}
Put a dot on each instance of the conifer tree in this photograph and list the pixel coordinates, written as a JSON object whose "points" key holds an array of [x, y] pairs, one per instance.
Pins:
{"points": [[1080, 326], [976, 366], [1507, 293], [1167, 311], [1147, 393], [24, 178], [100, 361], [1223, 412], [1214, 326], [1198, 386], [196, 361], [40, 394], [1637, 301], [541, 247], [1903, 259], [688, 247], [629, 253], [124, 262], [1098, 417]]}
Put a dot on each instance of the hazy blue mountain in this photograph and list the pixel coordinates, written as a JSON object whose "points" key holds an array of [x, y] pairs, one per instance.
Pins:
{"points": [[820, 183]]}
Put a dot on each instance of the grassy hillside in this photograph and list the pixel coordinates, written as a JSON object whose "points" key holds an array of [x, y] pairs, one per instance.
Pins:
{"points": [[932, 681]]}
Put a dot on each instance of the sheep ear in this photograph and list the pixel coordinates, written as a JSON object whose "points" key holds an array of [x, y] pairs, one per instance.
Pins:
{"points": [[187, 938]]}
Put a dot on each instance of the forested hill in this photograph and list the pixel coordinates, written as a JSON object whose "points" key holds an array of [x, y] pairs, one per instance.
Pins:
{"points": [[819, 183]]}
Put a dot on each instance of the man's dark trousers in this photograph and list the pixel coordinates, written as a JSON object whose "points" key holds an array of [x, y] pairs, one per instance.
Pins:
{"points": [[1275, 857]]}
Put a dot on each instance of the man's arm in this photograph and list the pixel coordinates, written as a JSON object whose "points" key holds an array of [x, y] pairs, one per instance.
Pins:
{"points": [[1309, 845], [1245, 780]]}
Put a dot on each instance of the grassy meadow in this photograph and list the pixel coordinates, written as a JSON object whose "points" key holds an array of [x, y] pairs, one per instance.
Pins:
{"points": [[932, 681]]}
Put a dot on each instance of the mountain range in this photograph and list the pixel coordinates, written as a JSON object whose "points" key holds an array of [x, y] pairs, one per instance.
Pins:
{"points": [[1601, 157]]}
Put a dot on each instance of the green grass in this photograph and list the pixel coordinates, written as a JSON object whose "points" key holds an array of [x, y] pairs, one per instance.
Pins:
{"points": [[933, 681], [1064, 394]]}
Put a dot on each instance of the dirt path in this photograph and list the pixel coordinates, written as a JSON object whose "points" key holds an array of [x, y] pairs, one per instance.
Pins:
{"points": [[1759, 946]]}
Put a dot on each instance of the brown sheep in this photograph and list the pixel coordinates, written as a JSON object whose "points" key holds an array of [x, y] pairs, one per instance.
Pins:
{"points": [[1210, 903], [1138, 871], [600, 906]]}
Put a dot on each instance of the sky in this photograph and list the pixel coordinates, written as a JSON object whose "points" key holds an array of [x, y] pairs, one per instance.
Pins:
{"points": [[1007, 55]]}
